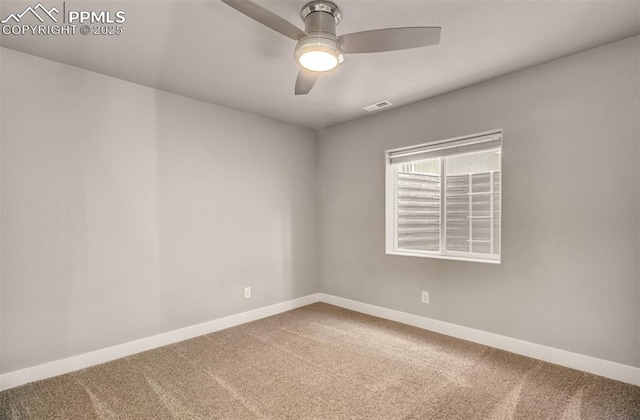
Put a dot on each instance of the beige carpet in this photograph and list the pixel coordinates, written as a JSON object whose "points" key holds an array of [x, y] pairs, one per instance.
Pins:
{"points": [[323, 362]]}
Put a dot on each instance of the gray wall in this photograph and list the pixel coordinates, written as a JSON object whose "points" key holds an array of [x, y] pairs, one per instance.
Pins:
{"points": [[127, 212], [569, 276]]}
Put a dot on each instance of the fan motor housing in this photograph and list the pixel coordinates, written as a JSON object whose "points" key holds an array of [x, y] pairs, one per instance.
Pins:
{"points": [[320, 17], [321, 6]]}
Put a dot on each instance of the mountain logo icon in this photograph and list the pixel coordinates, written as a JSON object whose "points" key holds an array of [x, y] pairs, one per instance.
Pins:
{"points": [[34, 11]]}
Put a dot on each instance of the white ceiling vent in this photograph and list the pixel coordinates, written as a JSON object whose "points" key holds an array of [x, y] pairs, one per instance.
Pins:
{"points": [[377, 106]]}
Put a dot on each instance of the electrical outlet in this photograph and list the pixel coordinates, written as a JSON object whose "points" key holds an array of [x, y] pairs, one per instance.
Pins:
{"points": [[247, 292], [425, 297]]}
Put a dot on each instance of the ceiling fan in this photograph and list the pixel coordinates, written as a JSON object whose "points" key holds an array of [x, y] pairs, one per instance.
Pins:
{"points": [[320, 50]]}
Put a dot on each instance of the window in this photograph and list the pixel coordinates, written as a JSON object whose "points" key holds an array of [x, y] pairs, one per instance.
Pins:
{"points": [[443, 199]]}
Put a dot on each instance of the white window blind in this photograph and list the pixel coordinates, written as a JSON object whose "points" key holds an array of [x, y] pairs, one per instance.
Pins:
{"points": [[443, 198]]}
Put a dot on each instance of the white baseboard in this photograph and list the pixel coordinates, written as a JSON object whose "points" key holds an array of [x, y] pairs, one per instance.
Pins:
{"points": [[608, 369], [617, 371], [81, 361]]}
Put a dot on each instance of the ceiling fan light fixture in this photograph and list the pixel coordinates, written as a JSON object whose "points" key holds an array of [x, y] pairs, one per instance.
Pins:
{"points": [[318, 54], [320, 50], [318, 61]]}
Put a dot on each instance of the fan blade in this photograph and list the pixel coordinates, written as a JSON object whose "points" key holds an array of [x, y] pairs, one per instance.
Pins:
{"points": [[390, 39], [267, 18], [305, 81]]}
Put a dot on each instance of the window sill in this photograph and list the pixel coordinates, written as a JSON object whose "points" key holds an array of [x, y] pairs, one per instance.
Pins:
{"points": [[409, 253]]}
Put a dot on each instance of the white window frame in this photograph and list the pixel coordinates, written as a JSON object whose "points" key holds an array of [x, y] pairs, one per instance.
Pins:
{"points": [[391, 206]]}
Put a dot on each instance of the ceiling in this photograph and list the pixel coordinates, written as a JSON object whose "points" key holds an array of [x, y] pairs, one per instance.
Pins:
{"points": [[208, 51]]}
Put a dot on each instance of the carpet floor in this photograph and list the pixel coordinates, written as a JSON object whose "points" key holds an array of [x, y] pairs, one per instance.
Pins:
{"points": [[323, 362]]}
